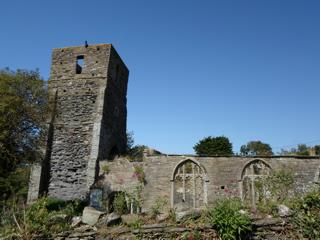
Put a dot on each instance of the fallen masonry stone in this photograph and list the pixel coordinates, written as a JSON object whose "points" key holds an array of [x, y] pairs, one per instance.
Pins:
{"points": [[85, 228], [76, 221], [58, 217], [162, 217], [267, 222], [284, 211], [113, 219], [129, 219], [155, 225], [90, 215], [189, 214], [88, 234], [74, 235]]}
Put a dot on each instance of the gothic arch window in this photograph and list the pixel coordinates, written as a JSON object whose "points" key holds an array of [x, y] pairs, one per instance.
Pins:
{"points": [[252, 189], [188, 186]]}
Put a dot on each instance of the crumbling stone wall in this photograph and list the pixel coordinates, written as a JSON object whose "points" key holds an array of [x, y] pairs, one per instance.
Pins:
{"points": [[224, 175], [87, 93]]}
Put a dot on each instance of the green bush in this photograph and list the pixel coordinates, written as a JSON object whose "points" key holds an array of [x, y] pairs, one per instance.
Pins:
{"points": [[106, 169], [136, 224], [120, 203], [306, 217], [227, 219], [136, 153], [158, 207], [139, 173], [14, 187], [274, 190]]}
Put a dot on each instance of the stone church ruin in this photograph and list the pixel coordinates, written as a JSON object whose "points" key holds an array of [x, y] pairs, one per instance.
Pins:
{"points": [[87, 131]]}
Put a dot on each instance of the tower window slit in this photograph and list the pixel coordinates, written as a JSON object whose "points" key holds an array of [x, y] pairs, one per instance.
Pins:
{"points": [[79, 64]]}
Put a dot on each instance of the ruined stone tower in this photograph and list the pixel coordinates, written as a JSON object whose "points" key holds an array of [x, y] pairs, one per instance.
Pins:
{"points": [[87, 93]]}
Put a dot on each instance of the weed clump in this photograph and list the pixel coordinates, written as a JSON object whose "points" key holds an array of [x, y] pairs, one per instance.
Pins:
{"points": [[228, 220]]}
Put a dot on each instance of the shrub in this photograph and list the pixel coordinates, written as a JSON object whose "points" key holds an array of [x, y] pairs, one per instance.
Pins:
{"points": [[105, 168], [172, 215], [135, 199], [45, 217], [120, 203], [274, 190], [306, 217], [158, 207], [139, 173], [136, 224], [136, 153], [229, 222]]}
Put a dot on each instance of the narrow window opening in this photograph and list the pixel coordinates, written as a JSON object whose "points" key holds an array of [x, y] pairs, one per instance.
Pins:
{"points": [[79, 64], [222, 187]]}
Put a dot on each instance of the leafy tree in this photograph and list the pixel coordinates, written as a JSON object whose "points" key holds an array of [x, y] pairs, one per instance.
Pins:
{"points": [[23, 108], [301, 150], [254, 148], [214, 146], [130, 141]]}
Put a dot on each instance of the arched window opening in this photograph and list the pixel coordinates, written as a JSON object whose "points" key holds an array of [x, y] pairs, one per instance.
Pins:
{"points": [[253, 189], [189, 190]]}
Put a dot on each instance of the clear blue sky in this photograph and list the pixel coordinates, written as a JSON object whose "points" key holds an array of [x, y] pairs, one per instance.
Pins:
{"points": [[249, 70]]}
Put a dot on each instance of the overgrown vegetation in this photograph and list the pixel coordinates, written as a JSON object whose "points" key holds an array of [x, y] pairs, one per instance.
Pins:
{"points": [[195, 235], [274, 190], [139, 173], [134, 152], [120, 203], [14, 188], [228, 220], [105, 169], [44, 218], [135, 198], [306, 217], [23, 110], [158, 207]]}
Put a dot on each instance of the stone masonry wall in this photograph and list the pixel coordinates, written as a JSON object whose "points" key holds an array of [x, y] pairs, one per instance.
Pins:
{"points": [[223, 175], [81, 134]]}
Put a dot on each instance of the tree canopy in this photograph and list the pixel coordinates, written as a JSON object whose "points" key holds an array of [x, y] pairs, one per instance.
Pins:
{"points": [[214, 146], [254, 148], [23, 109], [302, 150]]}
